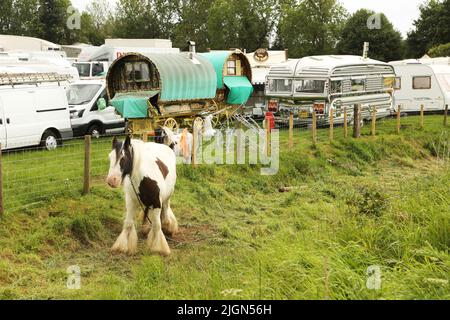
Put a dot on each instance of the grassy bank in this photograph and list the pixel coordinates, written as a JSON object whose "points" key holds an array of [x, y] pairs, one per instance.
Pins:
{"points": [[382, 201]]}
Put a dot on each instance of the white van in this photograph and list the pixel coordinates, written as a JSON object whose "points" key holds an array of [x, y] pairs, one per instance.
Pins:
{"points": [[33, 111], [419, 84], [89, 111]]}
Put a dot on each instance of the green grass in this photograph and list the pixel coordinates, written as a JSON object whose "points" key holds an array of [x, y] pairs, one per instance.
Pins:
{"points": [[374, 201]]}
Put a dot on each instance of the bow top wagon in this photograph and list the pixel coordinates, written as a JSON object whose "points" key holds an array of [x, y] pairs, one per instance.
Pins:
{"points": [[155, 90]]}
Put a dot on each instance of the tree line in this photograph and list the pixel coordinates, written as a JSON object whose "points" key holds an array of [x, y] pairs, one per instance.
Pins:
{"points": [[305, 27]]}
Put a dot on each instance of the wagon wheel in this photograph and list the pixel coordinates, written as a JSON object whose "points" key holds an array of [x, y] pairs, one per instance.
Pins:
{"points": [[171, 123], [198, 122]]}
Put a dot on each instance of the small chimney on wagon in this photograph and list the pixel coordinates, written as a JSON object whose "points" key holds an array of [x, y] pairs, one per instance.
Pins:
{"points": [[191, 49], [366, 50]]}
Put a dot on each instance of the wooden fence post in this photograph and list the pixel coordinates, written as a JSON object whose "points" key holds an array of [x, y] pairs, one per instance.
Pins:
{"points": [[374, 121], [268, 131], [2, 210], [314, 127], [357, 121], [345, 123], [194, 145], [331, 124], [87, 164], [399, 123], [446, 115], [291, 131], [422, 110]]}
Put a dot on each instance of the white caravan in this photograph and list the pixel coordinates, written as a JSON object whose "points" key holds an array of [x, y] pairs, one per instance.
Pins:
{"points": [[89, 111], [33, 111], [419, 84], [260, 61], [11, 42], [94, 62], [37, 62], [319, 83]]}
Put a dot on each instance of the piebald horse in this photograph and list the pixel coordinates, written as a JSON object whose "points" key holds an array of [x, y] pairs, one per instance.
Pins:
{"points": [[147, 172]]}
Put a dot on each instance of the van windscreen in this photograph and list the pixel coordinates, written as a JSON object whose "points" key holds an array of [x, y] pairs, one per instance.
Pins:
{"points": [[84, 69], [79, 94]]}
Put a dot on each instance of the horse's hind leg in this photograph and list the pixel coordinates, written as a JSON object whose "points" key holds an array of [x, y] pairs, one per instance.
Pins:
{"points": [[128, 239], [156, 240], [169, 222]]}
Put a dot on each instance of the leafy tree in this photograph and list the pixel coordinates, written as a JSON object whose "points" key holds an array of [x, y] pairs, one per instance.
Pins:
{"points": [[310, 27], [53, 17], [385, 41], [20, 17], [241, 23], [5, 15], [193, 24], [431, 29], [442, 50], [145, 18], [97, 23]]}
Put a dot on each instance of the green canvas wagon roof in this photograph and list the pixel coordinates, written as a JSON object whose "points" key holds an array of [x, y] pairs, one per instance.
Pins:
{"points": [[181, 78], [217, 59]]}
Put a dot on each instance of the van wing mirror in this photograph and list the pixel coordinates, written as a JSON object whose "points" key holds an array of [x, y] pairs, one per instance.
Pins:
{"points": [[101, 104]]}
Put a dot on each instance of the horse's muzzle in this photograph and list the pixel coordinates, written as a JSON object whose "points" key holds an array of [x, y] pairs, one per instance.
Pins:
{"points": [[113, 182]]}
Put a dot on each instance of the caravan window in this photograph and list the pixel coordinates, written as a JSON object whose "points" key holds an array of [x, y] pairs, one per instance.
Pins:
{"points": [[280, 85], [310, 86], [358, 85], [398, 83], [336, 86], [421, 82]]}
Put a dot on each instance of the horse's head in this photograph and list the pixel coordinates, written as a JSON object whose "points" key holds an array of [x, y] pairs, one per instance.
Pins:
{"points": [[121, 162]]}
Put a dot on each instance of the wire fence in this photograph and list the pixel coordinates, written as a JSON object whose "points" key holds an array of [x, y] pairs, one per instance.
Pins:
{"points": [[30, 176]]}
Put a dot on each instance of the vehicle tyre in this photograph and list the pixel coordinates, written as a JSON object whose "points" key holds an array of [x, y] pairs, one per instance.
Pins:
{"points": [[94, 130], [50, 140]]}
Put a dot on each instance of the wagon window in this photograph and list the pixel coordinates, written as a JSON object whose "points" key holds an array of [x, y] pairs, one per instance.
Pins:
{"points": [[141, 72], [129, 72], [231, 67], [422, 83], [310, 86]]}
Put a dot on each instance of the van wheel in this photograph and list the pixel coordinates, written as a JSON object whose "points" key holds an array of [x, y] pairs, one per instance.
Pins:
{"points": [[95, 131], [50, 140]]}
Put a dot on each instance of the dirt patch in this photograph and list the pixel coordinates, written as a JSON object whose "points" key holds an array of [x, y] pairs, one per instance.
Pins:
{"points": [[190, 235]]}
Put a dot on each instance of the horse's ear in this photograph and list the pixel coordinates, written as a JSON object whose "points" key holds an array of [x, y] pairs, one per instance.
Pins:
{"points": [[127, 143]]}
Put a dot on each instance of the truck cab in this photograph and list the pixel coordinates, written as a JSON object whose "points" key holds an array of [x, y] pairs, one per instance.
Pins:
{"points": [[89, 110]]}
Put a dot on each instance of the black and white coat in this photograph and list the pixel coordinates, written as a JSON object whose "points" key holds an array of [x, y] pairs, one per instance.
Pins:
{"points": [[147, 172]]}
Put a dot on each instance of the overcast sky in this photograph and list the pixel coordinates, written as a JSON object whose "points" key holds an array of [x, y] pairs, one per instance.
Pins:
{"points": [[401, 13]]}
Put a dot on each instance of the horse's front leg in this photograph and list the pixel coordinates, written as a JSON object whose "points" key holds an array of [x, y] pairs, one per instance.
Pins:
{"points": [[156, 239], [128, 239]]}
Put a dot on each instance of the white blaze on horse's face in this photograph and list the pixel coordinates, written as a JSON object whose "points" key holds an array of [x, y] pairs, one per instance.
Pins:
{"points": [[120, 162], [114, 178]]}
